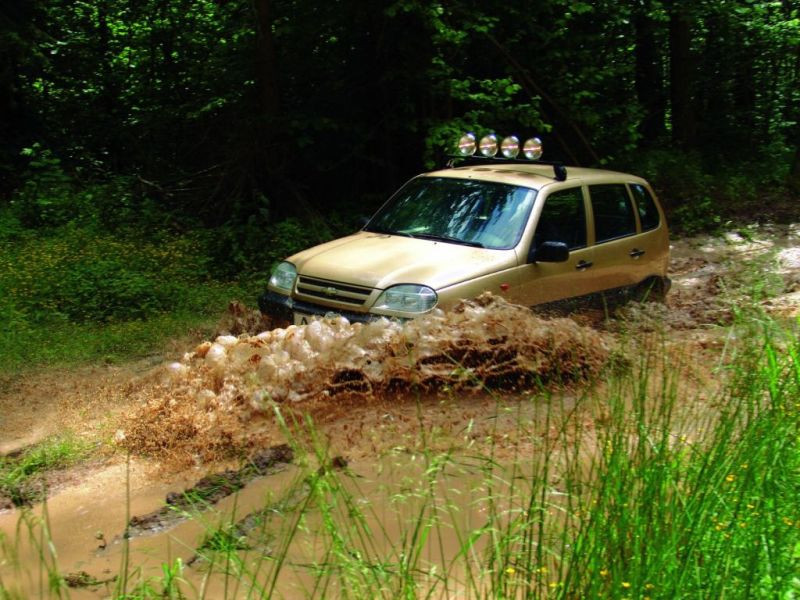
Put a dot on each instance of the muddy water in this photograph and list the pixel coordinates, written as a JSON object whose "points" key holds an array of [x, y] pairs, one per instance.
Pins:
{"points": [[390, 494], [77, 516]]}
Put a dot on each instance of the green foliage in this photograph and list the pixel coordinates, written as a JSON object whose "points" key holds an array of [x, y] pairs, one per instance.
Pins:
{"points": [[46, 197], [80, 275], [255, 246], [697, 215], [25, 345], [99, 270], [321, 105], [77, 292], [702, 195], [21, 477]]}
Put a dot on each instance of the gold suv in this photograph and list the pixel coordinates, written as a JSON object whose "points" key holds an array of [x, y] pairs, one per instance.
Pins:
{"points": [[531, 232]]}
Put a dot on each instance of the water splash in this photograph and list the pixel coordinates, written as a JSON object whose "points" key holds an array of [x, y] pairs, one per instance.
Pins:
{"points": [[203, 403]]}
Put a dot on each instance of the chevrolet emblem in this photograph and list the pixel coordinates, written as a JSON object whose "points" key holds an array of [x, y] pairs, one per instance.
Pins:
{"points": [[329, 291]]}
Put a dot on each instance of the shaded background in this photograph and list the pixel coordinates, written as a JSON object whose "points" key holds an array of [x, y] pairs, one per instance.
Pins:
{"points": [[148, 144]]}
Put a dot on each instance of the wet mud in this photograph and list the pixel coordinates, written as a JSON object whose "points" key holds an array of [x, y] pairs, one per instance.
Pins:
{"points": [[714, 276], [82, 579], [209, 490], [252, 531]]}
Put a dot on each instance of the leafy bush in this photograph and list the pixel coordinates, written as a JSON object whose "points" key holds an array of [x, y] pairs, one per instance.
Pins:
{"points": [[82, 275], [696, 216], [46, 198], [700, 194], [255, 246]]}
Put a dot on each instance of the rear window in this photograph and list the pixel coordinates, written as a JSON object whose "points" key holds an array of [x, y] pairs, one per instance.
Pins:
{"points": [[648, 213], [613, 212]]}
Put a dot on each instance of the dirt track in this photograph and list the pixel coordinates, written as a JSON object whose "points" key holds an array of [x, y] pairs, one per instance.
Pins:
{"points": [[95, 507], [711, 276]]}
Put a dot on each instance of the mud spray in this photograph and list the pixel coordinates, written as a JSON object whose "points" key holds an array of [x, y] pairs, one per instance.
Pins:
{"points": [[206, 406]]}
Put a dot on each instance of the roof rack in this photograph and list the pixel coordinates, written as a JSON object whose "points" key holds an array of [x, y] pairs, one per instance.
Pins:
{"points": [[559, 170]]}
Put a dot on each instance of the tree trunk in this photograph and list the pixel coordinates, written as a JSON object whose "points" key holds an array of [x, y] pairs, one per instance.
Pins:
{"points": [[107, 101], [649, 78], [793, 180], [682, 74], [794, 173]]}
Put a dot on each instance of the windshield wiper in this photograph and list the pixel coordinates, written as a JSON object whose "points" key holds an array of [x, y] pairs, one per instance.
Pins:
{"points": [[452, 240], [387, 231]]}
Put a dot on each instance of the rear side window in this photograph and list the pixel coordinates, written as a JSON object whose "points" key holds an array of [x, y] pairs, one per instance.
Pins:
{"points": [[563, 219], [648, 213], [613, 212]]}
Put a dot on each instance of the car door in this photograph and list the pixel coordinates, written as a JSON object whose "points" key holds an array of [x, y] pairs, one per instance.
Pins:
{"points": [[653, 237], [562, 218], [619, 249]]}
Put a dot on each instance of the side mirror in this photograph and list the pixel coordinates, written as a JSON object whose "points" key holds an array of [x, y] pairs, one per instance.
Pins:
{"points": [[549, 252]]}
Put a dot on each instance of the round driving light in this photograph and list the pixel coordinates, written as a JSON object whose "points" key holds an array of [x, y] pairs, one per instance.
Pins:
{"points": [[509, 147], [466, 145], [532, 149], [488, 145]]}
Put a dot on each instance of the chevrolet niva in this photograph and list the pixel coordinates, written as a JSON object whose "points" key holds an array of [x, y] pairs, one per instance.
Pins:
{"points": [[532, 232]]}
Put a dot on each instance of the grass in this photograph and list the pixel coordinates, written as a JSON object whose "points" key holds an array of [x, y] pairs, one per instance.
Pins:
{"points": [[645, 505], [60, 343], [648, 502], [21, 477], [638, 488], [76, 293]]}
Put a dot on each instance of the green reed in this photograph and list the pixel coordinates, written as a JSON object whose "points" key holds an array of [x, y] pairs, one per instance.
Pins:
{"points": [[640, 486]]}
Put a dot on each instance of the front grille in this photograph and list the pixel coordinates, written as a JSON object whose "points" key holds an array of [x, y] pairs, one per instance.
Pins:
{"points": [[332, 290]]}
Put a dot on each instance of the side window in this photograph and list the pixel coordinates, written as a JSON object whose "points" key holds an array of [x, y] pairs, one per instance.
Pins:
{"points": [[648, 213], [563, 219], [613, 212]]}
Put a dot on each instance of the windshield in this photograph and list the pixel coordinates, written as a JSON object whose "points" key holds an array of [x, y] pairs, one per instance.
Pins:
{"points": [[462, 211]]}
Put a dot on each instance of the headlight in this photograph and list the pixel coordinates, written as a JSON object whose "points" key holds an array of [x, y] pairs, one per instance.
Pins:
{"points": [[407, 298], [283, 276]]}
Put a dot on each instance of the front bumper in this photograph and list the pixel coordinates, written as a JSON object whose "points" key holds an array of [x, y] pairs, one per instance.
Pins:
{"points": [[283, 307]]}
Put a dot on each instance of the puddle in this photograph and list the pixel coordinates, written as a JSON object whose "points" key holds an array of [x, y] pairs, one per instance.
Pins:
{"points": [[210, 490], [361, 518], [87, 525]]}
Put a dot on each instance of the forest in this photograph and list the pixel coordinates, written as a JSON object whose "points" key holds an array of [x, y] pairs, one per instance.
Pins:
{"points": [[160, 439], [163, 147]]}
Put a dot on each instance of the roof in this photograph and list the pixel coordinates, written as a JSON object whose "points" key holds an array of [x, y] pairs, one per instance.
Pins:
{"points": [[532, 175]]}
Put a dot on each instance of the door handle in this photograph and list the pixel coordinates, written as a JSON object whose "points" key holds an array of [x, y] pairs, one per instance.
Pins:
{"points": [[583, 265], [635, 253]]}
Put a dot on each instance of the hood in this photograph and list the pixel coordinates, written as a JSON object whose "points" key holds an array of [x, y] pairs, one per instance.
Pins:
{"points": [[378, 260]]}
